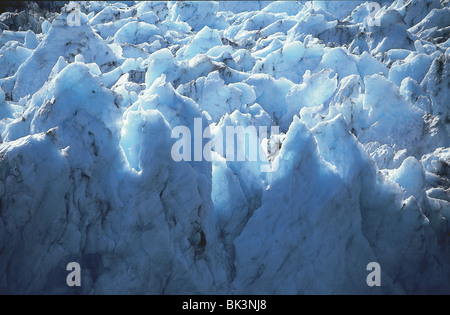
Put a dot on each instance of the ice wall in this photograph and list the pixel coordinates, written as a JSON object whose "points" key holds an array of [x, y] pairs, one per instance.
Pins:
{"points": [[362, 159]]}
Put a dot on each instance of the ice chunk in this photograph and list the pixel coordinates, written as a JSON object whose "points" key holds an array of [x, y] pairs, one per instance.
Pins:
{"points": [[219, 50], [202, 42], [46, 25], [215, 97], [411, 177], [12, 56], [414, 67], [245, 59], [148, 17], [436, 82], [340, 148], [310, 23], [78, 103], [339, 9], [111, 13], [414, 11], [271, 95], [283, 62], [338, 60], [6, 110], [415, 94], [25, 177], [288, 7], [158, 63], [395, 34], [110, 29], [135, 131], [296, 226], [231, 216], [31, 41], [315, 90], [62, 40], [242, 6], [368, 65], [277, 27], [273, 46], [160, 8], [389, 123], [110, 78], [137, 33], [197, 14]]}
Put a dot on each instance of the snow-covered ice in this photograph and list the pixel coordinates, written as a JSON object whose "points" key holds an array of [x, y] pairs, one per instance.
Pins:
{"points": [[360, 166]]}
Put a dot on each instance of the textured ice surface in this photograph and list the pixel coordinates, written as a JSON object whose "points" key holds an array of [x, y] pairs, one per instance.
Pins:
{"points": [[363, 167]]}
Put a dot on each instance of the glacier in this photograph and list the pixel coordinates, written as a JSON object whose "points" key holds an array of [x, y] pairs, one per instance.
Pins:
{"points": [[87, 114]]}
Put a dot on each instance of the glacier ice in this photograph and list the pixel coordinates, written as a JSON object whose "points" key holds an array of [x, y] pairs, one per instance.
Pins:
{"points": [[362, 157]]}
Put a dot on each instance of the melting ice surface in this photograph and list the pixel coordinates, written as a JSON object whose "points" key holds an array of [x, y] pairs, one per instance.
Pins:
{"points": [[86, 174]]}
